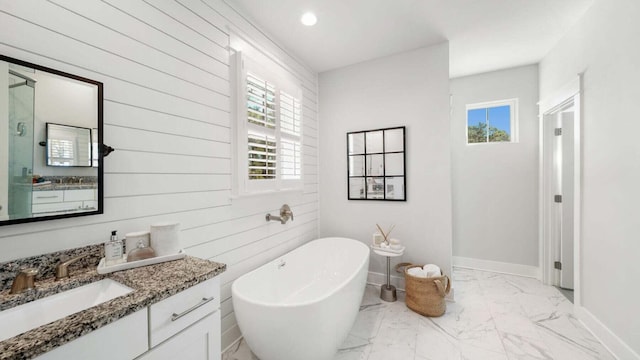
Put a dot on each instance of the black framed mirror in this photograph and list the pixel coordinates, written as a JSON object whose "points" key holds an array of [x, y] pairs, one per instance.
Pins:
{"points": [[376, 164], [51, 127]]}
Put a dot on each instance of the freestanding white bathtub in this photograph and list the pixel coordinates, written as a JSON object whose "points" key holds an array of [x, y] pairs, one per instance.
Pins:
{"points": [[302, 305]]}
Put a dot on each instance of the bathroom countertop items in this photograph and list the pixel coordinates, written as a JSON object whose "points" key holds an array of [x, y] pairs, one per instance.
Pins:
{"points": [[151, 284]]}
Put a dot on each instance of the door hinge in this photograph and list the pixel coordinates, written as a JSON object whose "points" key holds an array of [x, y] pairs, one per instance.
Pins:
{"points": [[557, 198], [557, 265], [557, 131]]}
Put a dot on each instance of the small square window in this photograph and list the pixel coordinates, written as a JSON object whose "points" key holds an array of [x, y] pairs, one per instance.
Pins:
{"points": [[492, 122]]}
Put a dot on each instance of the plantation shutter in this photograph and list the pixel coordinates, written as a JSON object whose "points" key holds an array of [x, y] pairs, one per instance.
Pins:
{"points": [[262, 156], [269, 128], [261, 123], [261, 106], [290, 135], [61, 151]]}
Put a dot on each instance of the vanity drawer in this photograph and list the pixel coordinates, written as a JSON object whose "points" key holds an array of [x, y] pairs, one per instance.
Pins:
{"points": [[47, 197], [177, 312], [53, 207], [79, 195]]}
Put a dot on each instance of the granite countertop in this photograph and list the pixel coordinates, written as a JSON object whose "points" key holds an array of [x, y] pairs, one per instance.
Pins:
{"points": [[151, 284], [51, 187]]}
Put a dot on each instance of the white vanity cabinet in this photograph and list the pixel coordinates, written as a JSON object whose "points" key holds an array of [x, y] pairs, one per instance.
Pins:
{"points": [[50, 202], [186, 325], [197, 342], [183, 326], [121, 340], [172, 315]]}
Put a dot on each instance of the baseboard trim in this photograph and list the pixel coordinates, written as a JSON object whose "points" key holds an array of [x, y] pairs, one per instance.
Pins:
{"points": [[375, 278], [232, 345], [497, 266], [615, 345], [230, 337]]}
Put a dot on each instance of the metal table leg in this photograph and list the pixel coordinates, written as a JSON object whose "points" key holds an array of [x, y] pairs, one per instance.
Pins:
{"points": [[388, 291]]}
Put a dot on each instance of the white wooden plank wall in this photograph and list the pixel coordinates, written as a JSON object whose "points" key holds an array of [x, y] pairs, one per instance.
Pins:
{"points": [[165, 69]]}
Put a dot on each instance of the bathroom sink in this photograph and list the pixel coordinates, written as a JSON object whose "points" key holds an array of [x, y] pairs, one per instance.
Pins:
{"points": [[31, 315]]}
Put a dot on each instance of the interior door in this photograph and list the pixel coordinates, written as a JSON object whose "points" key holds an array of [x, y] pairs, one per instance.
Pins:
{"points": [[562, 185], [560, 169], [567, 191]]}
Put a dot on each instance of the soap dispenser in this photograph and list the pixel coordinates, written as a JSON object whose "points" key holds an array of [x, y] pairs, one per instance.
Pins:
{"points": [[113, 252]]}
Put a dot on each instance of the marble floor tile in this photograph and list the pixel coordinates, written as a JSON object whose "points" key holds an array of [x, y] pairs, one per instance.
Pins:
{"points": [[469, 352], [240, 351], [488, 339], [368, 321], [354, 353], [391, 353], [516, 324], [434, 343], [540, 307], [565, 335], [494, 317], [522, 348]]}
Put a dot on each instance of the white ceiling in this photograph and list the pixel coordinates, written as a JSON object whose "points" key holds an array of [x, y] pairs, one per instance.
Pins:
{"points": [[484, 35]]}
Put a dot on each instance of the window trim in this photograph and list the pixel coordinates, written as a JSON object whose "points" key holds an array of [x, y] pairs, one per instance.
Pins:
{"points": [[243, 186], [513, 114]]}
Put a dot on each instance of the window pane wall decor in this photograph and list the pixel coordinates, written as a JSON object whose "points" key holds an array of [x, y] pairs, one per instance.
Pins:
{"points": [[376, 164]]}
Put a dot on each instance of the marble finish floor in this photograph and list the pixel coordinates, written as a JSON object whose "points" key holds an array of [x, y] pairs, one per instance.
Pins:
{"points": [[495, 317]]}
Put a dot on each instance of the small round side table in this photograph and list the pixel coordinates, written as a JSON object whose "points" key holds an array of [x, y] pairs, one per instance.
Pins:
{"points": [[388, 291]]}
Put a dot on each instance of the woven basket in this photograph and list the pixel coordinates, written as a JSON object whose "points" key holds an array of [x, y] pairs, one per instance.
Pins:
{"points": [[426, 295]]}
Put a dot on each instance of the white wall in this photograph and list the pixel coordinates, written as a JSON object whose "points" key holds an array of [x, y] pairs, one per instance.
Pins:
{"points": [[165, 69], [495, 186], [410, 89], [603, 45]]}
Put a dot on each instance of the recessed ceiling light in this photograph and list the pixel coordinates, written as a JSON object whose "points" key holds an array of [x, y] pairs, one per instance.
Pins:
{"points": [[309, 19]]}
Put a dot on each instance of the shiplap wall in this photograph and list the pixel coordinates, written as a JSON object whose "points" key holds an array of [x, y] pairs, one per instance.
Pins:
{"points": [[165, 69]]}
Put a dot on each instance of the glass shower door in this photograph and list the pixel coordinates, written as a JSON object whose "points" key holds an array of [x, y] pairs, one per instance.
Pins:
{"points": [[21, 143]]}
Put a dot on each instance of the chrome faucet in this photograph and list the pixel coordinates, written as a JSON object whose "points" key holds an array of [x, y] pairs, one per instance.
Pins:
{"points": [[62, 269], [285, 214], [24, 280]]}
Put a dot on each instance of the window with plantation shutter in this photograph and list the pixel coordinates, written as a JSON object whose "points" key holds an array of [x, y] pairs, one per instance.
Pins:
{"points": [[290, 117], [269, 129], [261, 124], [290, 137], [262, 156], [290, 159], [61, 152], [261, 102]]}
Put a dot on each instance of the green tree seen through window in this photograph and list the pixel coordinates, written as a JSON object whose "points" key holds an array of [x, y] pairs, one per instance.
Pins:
{"points": [[490, 124]]}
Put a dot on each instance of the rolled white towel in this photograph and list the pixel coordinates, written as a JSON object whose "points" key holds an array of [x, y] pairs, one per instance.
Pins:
{"points": [[417, 272], [431, 270]]}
